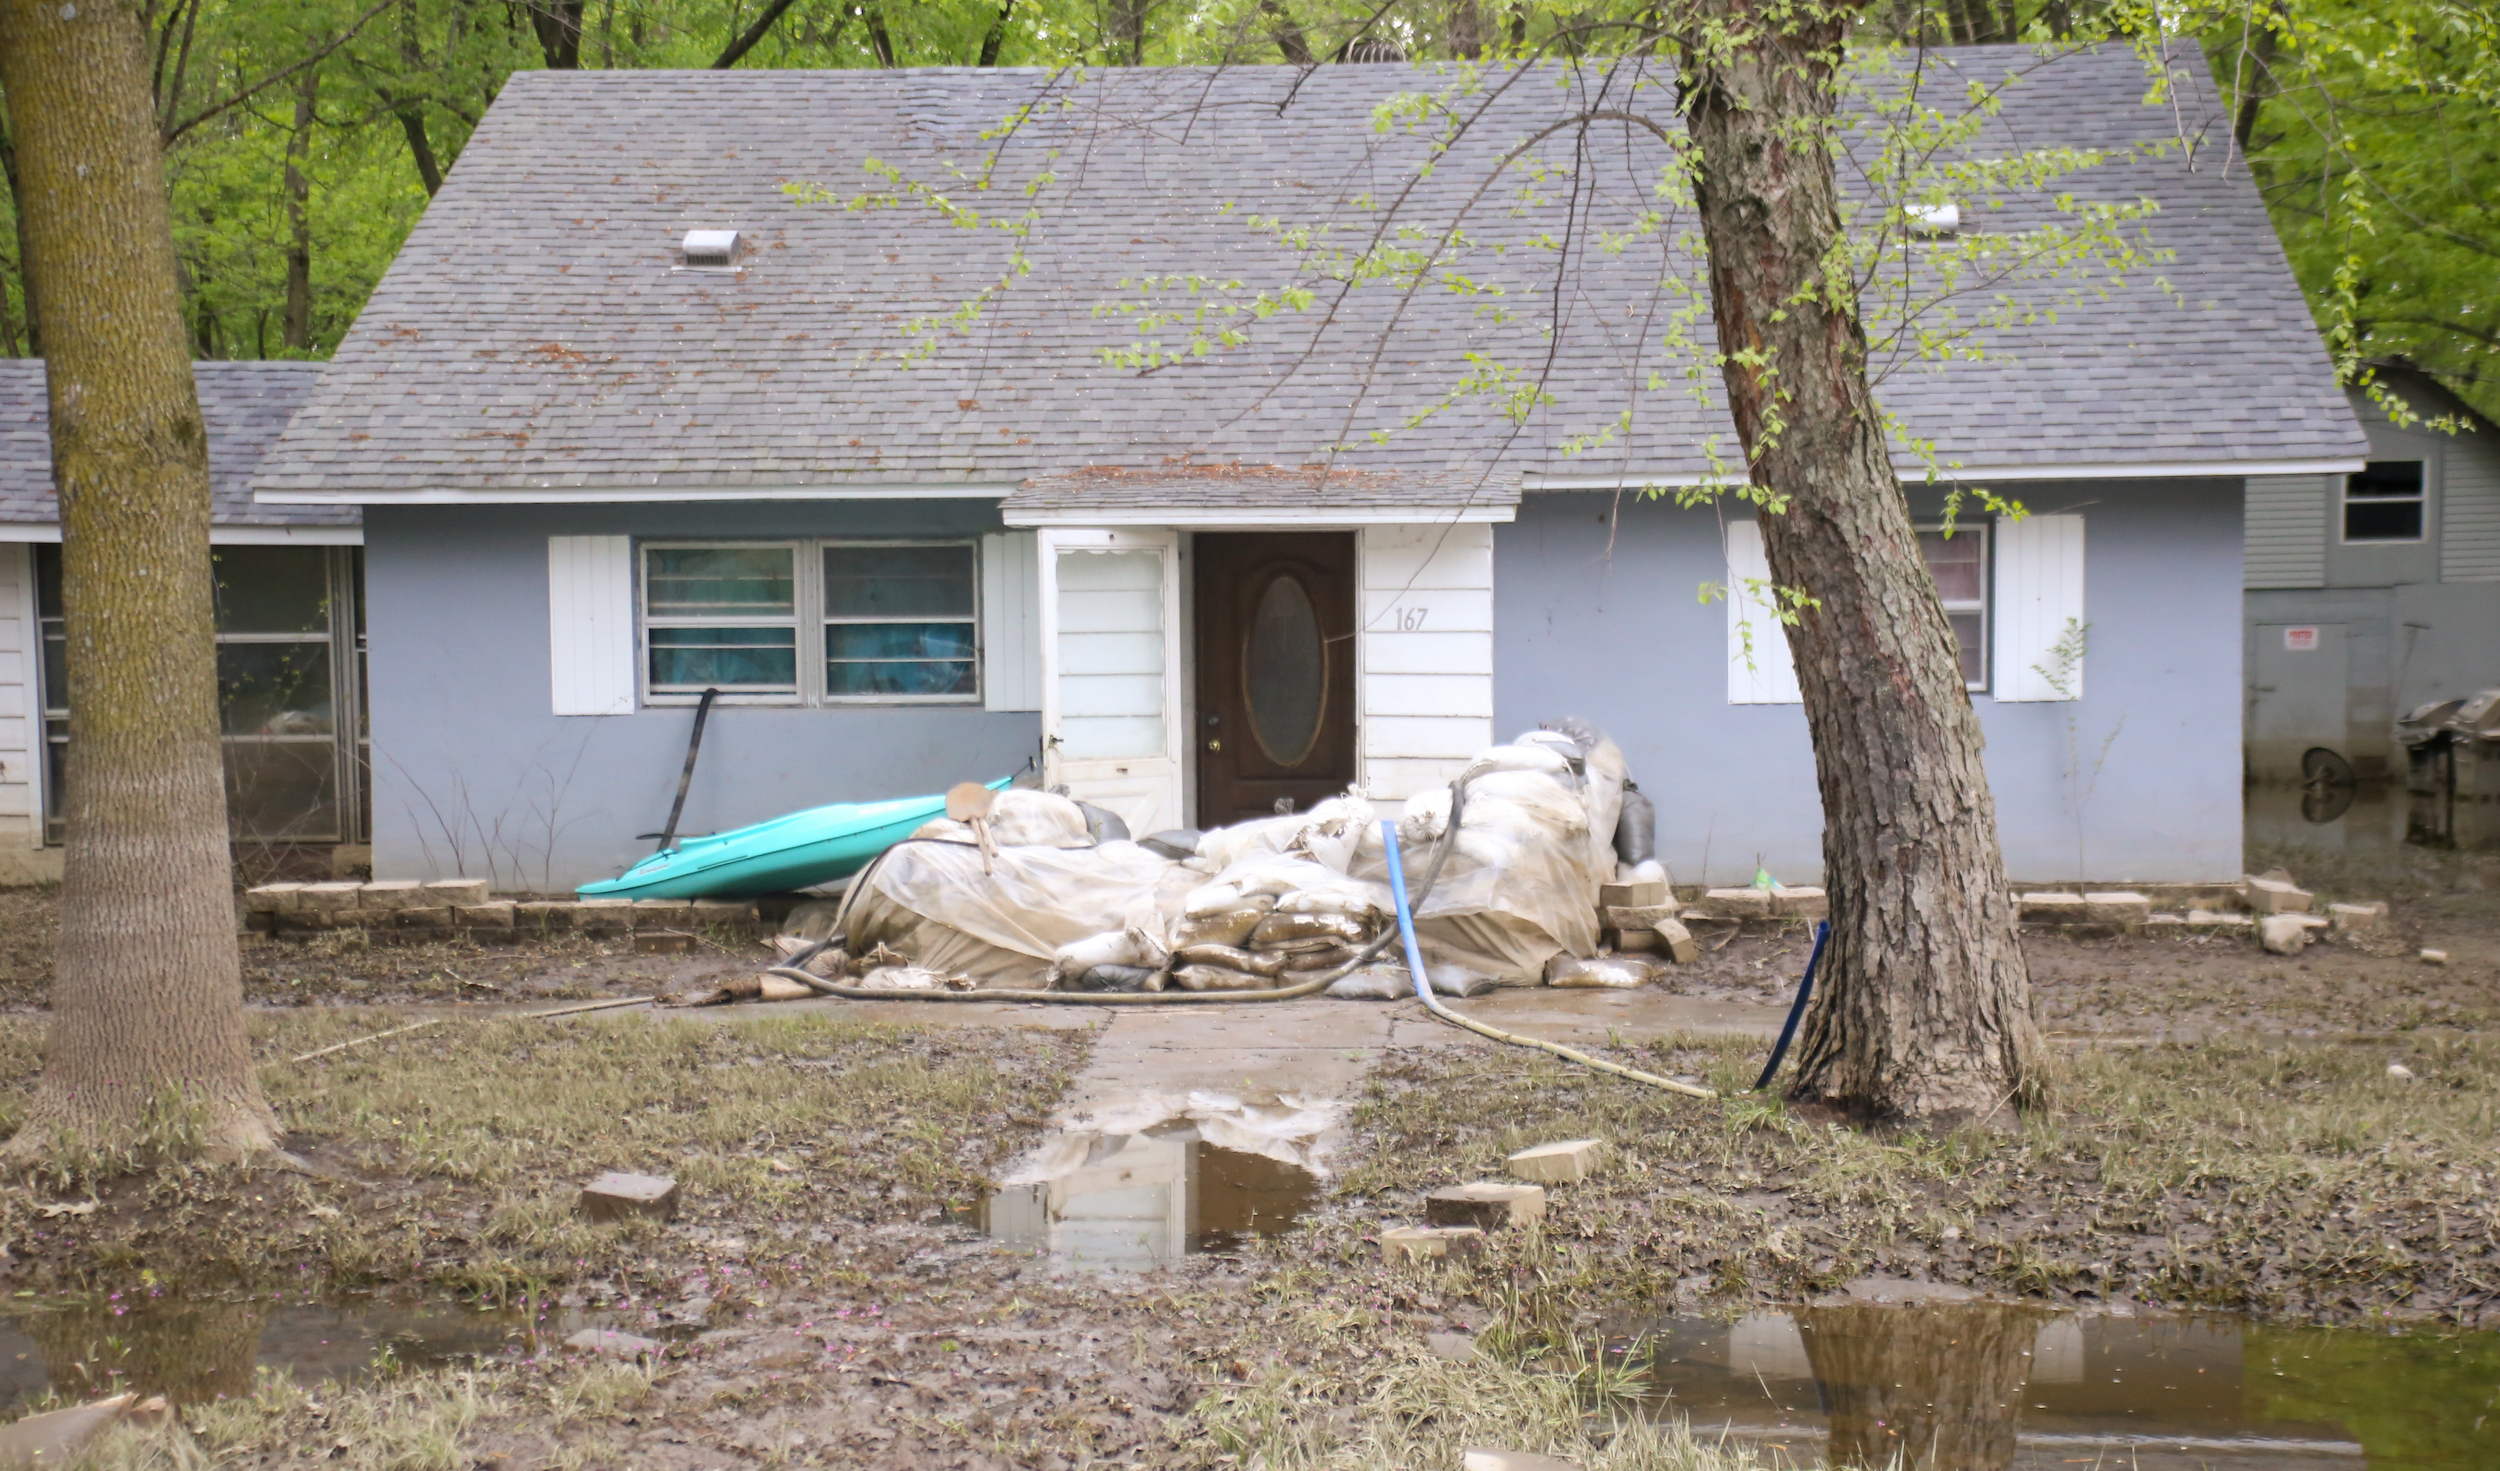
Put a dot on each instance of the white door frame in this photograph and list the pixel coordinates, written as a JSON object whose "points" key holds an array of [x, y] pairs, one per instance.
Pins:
{"points": [[1145, 790]]}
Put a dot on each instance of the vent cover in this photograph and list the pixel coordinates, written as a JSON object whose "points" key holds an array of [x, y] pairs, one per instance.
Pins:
{"points": [[1924, 219], [715, 249]]}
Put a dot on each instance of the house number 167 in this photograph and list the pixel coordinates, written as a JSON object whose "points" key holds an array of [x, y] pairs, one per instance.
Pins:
{"points": [[1410, 619]]}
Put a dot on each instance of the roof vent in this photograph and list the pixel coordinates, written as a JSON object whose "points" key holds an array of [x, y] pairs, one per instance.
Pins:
{"points": [[711, 249], [1924, 219]]}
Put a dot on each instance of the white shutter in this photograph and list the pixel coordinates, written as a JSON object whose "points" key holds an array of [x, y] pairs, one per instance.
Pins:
{"points": [[21, 715], [1760, 670], [2039, 596], [1426, 656], [1011, 620], [590, 624]]}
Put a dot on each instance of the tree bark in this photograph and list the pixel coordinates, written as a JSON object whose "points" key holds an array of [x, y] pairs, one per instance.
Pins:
{"points": [[1291, 40], [410, 109], [147, 1048], [995, 39], [744, 42], [1127, 24], [296, 333], [1923, 1007], [558, 24], [879, 40]]}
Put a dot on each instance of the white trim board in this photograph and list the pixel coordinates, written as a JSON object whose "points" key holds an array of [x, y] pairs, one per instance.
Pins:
{"points": [[614, 495], [49, 533], [1278, 518], [1962, 474]]}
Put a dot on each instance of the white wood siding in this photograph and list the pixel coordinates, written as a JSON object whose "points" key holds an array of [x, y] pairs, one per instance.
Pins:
{"points": [[2287, 529], [1760, 668], [590, 624], [2469, 549], [2039, 594], [1425, 661], [1111, 655], [1011, 620], [21, 715]]}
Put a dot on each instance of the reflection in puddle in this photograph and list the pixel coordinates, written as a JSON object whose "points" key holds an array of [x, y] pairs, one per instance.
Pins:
{"points": [[196, 1351], [1143, 1182], [2368, 819], [1986, 1386]]}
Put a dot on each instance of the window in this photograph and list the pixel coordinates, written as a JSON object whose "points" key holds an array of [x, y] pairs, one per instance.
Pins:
{"points": [[1959, 563], [812, 622], [2384, 502]]}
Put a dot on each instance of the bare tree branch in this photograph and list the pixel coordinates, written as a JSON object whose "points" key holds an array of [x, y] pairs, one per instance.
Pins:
{"points": [[280, 75]]}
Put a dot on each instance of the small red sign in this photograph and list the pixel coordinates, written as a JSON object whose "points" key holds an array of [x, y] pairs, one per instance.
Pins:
{"points": [[2302, 639]]}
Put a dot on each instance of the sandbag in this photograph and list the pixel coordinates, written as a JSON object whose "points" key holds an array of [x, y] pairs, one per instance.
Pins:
{"points": [[1231, 927], [1119, 978], [1636, 828], [1230, 957], [1607, 972], [1459, 980], [1372, 983], [1327, 957], [1217, 978], [1129, 946], [1280, 930]]}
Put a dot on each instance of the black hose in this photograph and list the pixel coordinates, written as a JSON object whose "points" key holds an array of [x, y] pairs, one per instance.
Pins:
{"points": [[1796, 1008]]}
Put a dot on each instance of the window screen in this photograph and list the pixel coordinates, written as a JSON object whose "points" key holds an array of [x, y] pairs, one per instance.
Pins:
{"points": [[722, 617], [899, 620], [2384, 502], [1959, 564]]}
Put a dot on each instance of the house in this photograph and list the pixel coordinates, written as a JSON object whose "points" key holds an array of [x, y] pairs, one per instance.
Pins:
{"points": [[993, 454], [288, 667], [2373, 592]]}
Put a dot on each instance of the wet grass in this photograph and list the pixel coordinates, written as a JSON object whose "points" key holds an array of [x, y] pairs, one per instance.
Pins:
{"points": [[453, 1156], [2291, 1181]]}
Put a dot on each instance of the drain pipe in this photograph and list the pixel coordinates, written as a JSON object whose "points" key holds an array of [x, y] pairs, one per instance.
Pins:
{"points": [[1432, 1003]]}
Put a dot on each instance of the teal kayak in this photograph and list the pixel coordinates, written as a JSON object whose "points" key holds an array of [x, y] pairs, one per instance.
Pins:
{"points": [[812, 847]]}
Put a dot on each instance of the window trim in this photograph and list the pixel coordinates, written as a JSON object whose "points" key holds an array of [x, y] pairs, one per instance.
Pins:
{"points": [[1985, 604], [2419, 499], [808, 608]]}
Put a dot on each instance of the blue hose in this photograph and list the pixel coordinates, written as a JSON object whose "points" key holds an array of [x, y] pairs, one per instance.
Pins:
{"points": [[1796, 1008]]}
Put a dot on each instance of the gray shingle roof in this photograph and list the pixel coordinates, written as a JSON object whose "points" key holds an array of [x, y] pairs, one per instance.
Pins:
{"points": [[532, 335], [1184, 493], [244, 404]]}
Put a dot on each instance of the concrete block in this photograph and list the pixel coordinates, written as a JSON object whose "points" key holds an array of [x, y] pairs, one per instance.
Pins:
{"points": [[2210, 919], [603, 916], [543, 914], [327, 898], [483, 916], [271, 898], [1745, 903], [1801, 903], [1636, 916], [2346, 917], [1561, 1163], [615, 1196], [2052, 907], [259, 924], [1636, 893], [2287, 934], [724, 911], [1486, 1459], [2271, 895], [455, 893], [1425, 1243], [1485, 1204], [2434, 957], [2116, 908], [663, 914], [420, 919], [391, 894], [1629, 942], [1676, 942], [663, 942]]}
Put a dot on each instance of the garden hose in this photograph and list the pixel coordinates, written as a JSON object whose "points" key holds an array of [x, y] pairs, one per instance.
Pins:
{"points": [[1423, 989]]}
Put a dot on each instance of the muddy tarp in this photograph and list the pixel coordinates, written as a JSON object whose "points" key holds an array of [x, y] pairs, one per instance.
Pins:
{"points": [[1535, 841]]}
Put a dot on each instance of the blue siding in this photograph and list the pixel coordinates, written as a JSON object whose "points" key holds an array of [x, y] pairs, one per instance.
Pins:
{"points": [[465, 742], [1598, 615]]}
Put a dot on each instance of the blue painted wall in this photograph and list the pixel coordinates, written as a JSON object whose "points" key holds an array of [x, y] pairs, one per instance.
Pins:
{"points": [[1597, 614], [474, 775]]}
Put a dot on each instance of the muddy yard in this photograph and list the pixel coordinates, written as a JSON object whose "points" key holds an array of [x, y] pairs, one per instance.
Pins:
{"points": [[869, 1268]]}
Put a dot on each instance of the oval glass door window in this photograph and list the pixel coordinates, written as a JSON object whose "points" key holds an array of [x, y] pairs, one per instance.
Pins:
{"points": [[1285, 672]]}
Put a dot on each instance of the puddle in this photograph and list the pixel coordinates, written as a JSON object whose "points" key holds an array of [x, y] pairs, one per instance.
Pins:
{"points": [[1139, 1184], [195, 1351], [2367, 819], [1983, 1387]]}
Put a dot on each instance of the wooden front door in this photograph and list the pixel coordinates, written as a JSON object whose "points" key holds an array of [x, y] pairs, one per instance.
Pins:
{"points": [[1275, 638]]}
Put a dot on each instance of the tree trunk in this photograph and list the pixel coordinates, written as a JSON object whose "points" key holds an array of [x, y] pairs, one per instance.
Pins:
{"points": [[1930, 1388], [1128, 32], [559, 27], [1923, 1006], [1466, 30], [410, 109], [297, 332], [995, 39], [1291, 40], [879, 39], [147, 1047]]}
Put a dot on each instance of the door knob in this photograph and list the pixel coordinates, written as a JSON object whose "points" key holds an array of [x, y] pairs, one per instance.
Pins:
{"points": [[1215, 745]]}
